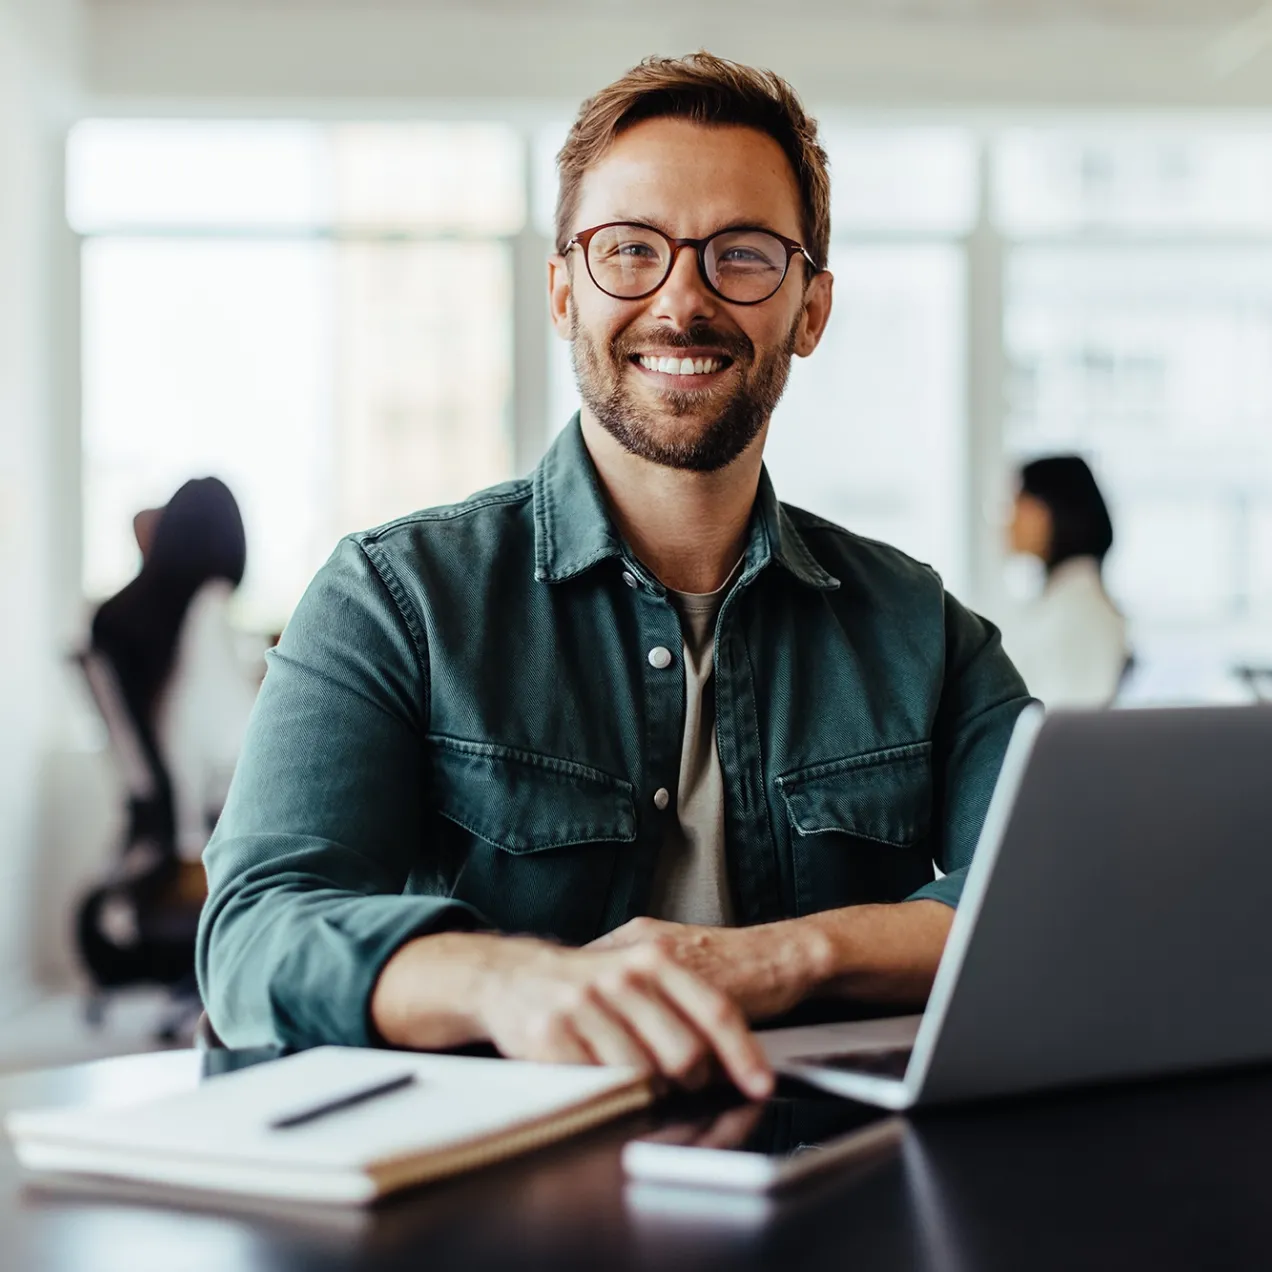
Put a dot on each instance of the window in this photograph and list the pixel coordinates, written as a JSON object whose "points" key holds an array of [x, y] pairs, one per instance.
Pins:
{"points": [[320, 315], [1153, 359], [870, 432], [1060, 181]]}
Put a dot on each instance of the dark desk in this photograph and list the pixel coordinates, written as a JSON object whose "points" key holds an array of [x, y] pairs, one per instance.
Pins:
{"points": [[1172, 1175]]}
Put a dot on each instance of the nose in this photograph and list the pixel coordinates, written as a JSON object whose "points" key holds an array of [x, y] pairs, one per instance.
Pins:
{"points": [[684, 298]]}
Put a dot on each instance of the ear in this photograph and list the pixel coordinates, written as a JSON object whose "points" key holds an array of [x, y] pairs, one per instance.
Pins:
{"points": [[560, 287], [816, 313]]}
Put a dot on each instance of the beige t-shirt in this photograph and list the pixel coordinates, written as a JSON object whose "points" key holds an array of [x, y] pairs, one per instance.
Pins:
{"points": [[691, 882]]}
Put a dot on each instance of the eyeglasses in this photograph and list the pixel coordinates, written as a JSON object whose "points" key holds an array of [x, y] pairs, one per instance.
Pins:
{"points": [[630, 261]]}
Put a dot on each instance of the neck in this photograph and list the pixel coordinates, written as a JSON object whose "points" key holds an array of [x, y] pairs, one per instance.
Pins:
{"points": [[689, 528], [1081, 564]]}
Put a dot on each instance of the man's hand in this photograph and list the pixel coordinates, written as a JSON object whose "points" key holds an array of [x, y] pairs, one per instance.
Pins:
{"points": [[870, 953], [766, 970], [633, 1006]]}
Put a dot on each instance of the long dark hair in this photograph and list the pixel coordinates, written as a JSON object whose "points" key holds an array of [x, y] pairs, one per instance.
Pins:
{"points": [[199, 537], [1080, 523]]}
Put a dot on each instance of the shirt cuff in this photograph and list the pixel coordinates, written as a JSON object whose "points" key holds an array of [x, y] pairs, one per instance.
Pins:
{"points": [[947, 890]]}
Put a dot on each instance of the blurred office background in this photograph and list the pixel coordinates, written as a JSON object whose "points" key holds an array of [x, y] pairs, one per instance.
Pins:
{"points": [[299, 245]]}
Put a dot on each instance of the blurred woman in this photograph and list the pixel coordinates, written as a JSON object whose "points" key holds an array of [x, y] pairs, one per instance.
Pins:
{"points": [[168, 636], [1070, 643]]}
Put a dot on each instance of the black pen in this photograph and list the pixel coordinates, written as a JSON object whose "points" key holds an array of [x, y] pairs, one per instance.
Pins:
{"points": [[338, 1102]]}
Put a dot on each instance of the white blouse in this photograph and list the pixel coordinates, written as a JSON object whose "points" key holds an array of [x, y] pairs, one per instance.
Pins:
{"points": [[1070, 644]]}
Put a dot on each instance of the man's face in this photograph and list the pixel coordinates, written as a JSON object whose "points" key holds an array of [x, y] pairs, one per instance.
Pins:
{"points": [[689, 181]]}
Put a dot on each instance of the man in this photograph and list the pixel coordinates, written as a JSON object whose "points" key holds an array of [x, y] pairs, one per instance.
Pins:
{"points": [[601, 765]]}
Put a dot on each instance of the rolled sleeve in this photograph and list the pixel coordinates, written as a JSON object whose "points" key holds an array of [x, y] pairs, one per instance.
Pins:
{"points": [[325, 822], [981, 698]]}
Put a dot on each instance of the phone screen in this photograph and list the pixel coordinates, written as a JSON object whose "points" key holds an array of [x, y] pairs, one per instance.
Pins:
{"points": [[780, 1128]]}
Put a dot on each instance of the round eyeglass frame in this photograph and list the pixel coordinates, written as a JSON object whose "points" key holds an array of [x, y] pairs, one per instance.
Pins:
{"points": [[699, 245]]}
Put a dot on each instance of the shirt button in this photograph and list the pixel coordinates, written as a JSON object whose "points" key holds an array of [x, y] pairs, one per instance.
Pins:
{"points": [[661, 798], [629, 578], [660, 657]]}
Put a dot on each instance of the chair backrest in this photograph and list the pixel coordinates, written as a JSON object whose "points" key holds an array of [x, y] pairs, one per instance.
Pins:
{"points": [[127, 748], [205, 1037]]}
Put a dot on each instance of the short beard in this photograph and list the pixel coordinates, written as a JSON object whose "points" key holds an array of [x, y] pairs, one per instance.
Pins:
{"points": [[736, 424]]}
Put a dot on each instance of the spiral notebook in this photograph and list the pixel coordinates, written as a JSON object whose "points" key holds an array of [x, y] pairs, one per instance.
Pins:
{"points": [[333, 1125]]}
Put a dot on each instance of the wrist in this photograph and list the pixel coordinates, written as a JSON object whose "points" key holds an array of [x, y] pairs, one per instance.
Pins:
{"points": [[497, 963], [815, 955], [428, 993]]}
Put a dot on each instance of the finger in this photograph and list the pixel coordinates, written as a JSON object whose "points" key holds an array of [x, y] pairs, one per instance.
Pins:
{"points": [[723, 1025], [676, 1048], [609, 1038]]}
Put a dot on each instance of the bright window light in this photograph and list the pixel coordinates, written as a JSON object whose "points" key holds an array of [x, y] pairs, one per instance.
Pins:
{"points": [[461, 178], [166, 175], [1156, 364], [870, 432], [902, 180], [333, 381], [1050, 181]]}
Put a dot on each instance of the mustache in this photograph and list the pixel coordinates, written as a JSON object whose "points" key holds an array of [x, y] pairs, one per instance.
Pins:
{"points": [[732, 343]]}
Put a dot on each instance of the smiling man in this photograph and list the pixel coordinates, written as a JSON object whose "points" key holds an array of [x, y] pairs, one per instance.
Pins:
{"points": [[605, 764]]}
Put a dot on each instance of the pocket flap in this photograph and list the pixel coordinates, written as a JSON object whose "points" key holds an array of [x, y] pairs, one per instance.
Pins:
{"points": [[523, 802], [883, 795]]}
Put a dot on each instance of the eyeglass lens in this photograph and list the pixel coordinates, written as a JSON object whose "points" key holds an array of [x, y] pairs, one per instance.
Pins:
{"points": [[743, 265]]}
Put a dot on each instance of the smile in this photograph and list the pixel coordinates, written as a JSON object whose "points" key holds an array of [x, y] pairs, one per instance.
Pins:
{"points": [[681, 366]]}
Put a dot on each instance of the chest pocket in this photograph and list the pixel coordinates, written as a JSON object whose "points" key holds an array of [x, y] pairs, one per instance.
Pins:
{"points": [[860, 827], [534, 838]]}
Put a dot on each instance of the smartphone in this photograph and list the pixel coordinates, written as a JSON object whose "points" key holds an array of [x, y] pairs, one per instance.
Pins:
{"points": [[763, 1147]]}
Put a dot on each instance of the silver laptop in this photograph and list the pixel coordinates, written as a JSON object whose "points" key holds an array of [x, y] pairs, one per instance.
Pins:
{"points": [[1116, 921]]}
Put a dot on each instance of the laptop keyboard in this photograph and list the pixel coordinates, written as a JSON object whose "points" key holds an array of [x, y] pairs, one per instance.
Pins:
{"points": [[885, 1062]]}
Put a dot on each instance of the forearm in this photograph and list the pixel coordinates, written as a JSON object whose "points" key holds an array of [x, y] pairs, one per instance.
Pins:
{"points": [[292, 938], [637, 1008], [874, 953], [428, 993]]}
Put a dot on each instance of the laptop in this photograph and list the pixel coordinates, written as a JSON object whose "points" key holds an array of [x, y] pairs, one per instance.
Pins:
{"points": [[1114, 923]]}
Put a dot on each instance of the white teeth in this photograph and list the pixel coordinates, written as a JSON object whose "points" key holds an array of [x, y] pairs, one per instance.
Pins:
{"points": [[680, 366]]}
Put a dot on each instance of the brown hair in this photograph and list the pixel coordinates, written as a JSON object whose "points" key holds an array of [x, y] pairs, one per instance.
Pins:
{"points": [[707, 90]]}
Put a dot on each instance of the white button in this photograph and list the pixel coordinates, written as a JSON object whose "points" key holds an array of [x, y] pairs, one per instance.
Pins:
{"points": [[629, 578], [661, 798], [660, 657]]}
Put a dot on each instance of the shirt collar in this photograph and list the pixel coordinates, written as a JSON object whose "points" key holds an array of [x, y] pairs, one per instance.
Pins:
{"points": [[573, 530], [783, 543], [572, 526]]}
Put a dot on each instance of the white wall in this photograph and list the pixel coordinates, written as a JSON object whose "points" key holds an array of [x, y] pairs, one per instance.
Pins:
{"points": [[38, 465]]}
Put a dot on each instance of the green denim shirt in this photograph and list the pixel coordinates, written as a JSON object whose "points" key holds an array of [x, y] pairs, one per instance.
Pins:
{"points": [[461, 728]]}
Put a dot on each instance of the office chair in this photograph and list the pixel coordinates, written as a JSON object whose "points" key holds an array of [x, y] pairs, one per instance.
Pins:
{"points": [[205, 1037], [138, 925]]}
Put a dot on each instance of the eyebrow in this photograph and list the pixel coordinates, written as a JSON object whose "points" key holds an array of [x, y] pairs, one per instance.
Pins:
{"points": [[655, 224]]}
